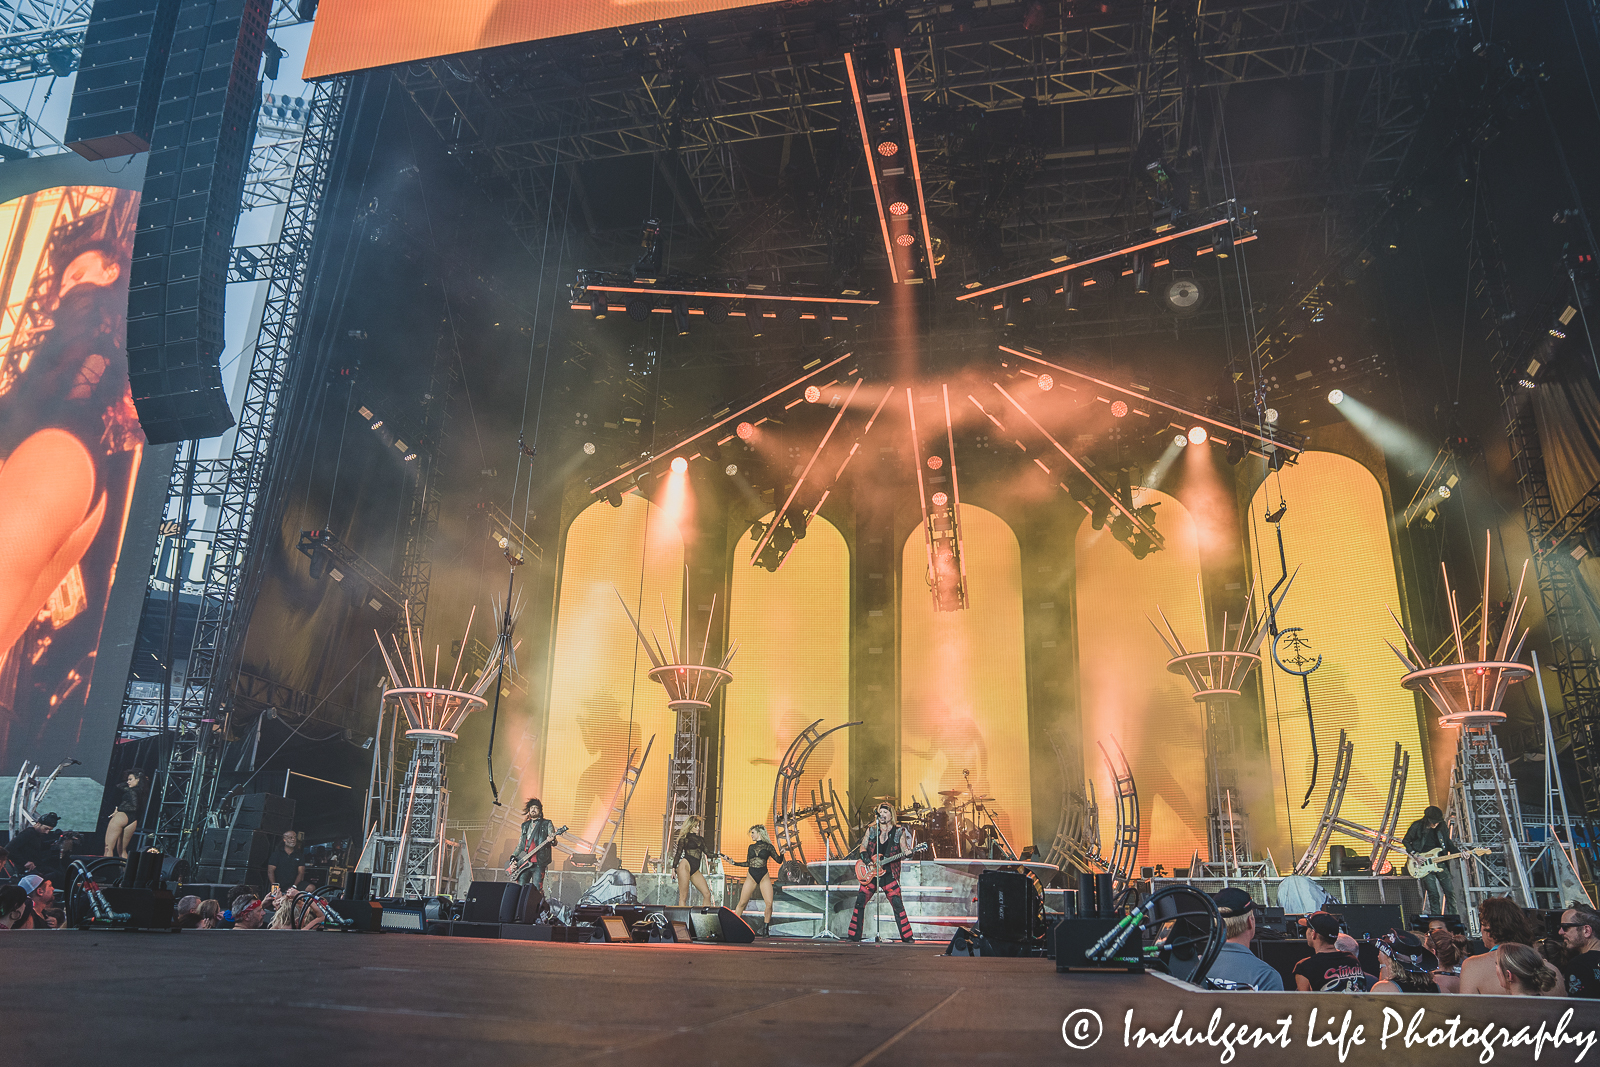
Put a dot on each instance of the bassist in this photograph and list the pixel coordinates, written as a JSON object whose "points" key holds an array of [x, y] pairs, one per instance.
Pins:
{"points": [[1425, 835], [884, 838], [535, 828]]}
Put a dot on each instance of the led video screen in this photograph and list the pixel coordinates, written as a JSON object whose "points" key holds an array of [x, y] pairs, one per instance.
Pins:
{"points": [[70, 451], [351, 35]]}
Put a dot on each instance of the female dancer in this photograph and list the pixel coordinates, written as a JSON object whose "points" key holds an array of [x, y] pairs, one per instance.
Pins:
{"points": [[756, 874], [125, 819], [686, 857]]}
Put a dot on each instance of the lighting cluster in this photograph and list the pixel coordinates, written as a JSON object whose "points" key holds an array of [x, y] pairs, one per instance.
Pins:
{"points": [[1103, 511], [1544, 348], [784, 536], [883, 114], [376, 424], [762, 308]]}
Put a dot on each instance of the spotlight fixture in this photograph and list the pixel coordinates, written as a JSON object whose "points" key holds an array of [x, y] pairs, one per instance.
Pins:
{"points": [[1444, 492], [1236, 451], [899, 207], [679, 464], [588, 448], [1527, 383], [409, 456], [1069, 289], [377, 424], [887, 149], [1181, 440], [813, 394], [1141, 275], [680, 314], [935, 462], [1271, 416], [789, 315], [745, 431], [717, 312], [1222, 244], [597, 306], [1119, 409], [1012, 303], [1197, 435], [1336, 396], [639, 309], [614, 497], [940, 500], [731, 469], [1046, 383]]}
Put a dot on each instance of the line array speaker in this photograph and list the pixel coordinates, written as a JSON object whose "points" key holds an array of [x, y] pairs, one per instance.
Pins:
{"points": [[125, 49]]}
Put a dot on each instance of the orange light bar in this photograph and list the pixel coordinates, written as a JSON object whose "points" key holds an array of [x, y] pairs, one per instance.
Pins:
{"points": [[730, 296], [916, 167], [1163, 239], [1152, 400], [872, 171], [695, 437], [798, 482]]}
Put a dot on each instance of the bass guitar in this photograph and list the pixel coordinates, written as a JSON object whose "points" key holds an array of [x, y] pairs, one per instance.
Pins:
{"points": [[522, 861], [1425, 863], [867, 871]]}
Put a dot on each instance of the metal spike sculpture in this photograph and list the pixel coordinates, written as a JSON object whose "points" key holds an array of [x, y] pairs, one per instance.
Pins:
{"points": [[1468, 692], [416, 866], [690, 687], [1216, 677]]}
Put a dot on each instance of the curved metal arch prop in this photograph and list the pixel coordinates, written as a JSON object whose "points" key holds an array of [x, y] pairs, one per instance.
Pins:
{"points": [[1125, 846], [786, 816]]}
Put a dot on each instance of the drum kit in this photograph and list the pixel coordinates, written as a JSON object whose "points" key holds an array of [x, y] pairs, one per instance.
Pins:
{"points": [[960, 827]]}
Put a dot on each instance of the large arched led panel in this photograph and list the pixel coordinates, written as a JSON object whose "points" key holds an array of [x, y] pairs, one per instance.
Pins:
{"points": [[963, 678], [793, 667], [602, 702], [1126, 693], [1336, 532]]}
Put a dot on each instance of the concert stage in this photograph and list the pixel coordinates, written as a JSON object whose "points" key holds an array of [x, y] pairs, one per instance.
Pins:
{"points": [[243, 998]]}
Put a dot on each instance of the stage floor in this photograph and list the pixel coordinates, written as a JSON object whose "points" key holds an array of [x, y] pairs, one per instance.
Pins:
{"points": [[260, 997]]}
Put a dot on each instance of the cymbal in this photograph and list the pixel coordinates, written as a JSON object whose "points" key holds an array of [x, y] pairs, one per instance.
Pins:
{"points": [[952, 792], [890, 799], [981, 800]]}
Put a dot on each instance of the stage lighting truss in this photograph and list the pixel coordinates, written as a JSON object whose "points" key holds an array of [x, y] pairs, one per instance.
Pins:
{"points": [[941, 511], [1092, 266], [714, 300], [877, 78], [1264, 439], [1437, 485], [332, 558]]}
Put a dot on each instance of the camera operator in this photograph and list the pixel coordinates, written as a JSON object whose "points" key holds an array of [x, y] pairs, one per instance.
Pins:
{"points": [[39, 849]]}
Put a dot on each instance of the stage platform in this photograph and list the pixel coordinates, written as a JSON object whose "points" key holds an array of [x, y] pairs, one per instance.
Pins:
{"points": [[247, 998]]}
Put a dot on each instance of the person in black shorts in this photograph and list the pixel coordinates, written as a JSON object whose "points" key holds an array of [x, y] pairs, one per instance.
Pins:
{"points": [[125, 818], [756, 874], [686, 858]]}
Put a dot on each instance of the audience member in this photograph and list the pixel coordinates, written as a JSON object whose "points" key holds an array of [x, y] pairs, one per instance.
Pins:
{"points": [[210, 913], [1501, 921], [298, 911], [13, 906], [1236, 966], [1403, 966], [1578, 929], [1328, 970], [41, 895], [186, 913], [248, 914], [1523, 972], [1443, 944], [1346, 943], [8, 870]]}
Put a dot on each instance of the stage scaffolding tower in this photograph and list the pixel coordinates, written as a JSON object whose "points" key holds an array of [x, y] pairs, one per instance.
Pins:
{"points": [[196, 723]]}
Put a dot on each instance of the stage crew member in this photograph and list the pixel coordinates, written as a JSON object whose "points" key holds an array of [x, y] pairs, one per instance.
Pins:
{"points": [[756, 874], [883, 839], [687, 856], [286, 867], [1425, 835], [535, 828]]}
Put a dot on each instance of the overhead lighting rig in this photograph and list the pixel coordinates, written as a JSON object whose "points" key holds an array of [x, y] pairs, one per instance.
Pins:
{"points": [[941, 511], [332, 558], [1221, 226], [714, 300], [877, 77]]}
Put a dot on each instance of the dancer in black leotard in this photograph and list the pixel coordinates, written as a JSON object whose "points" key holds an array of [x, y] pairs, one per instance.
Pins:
{"points": [[125, 819], [686, 858], [756, 874]]}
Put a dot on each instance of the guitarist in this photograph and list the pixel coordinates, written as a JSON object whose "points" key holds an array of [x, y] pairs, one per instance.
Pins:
{"points": [[535, 828], [884, 838], [1425, 835]]}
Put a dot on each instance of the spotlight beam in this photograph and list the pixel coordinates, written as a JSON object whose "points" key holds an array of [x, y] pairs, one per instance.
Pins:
{"points": [[783, 511], [854, 447], [723, 422], [1139, 524], [1142, 398]]}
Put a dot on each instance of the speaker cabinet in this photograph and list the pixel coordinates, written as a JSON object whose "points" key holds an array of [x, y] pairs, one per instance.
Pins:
{"points": [[1369, 920], [483, 901], [1008, 907], [124, 61]]}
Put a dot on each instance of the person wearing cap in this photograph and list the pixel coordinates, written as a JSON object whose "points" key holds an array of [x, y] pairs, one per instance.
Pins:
{"points": [[35, 850], [1425, 835], [1327, 970], [1404, 964], [13, 906], [1236, 965], [41, 895]]}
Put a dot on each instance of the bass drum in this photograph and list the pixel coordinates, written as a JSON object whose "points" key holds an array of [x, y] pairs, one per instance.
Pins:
{"points": [[943, 832]]}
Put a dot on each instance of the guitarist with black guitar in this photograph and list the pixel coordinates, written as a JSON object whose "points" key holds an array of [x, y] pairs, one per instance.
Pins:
{"points": [[535, 829], [1428, 834], [886, 843]]}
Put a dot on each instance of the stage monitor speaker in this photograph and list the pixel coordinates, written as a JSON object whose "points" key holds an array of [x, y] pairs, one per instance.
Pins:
{"points": [[1369, 920], [1075, 937], [483, 902], [712, 924], [1008, 907], [530, 902], [124, 60], [194, 187], [510, 896]]}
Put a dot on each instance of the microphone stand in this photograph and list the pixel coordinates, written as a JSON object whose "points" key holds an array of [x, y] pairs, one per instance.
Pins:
{"points": [[827, 894]]}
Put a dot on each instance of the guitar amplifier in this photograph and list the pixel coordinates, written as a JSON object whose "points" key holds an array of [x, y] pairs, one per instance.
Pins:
{"points": [[1368, 920], [1008, 907]]}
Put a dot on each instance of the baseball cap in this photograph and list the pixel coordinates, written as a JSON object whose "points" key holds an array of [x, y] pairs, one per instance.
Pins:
{"points": [[49, 818], [30, 883], [1324, 923], [1233, 902], [1409, 947]]}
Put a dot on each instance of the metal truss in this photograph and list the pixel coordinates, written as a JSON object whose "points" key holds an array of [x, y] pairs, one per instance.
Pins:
{"points": [[280, 127], [41, 37], [189, 785]]}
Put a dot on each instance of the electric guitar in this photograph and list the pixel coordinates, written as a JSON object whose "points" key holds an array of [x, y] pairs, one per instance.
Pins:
{"points": [[1425, 863], [517, 866], [867, 871]]}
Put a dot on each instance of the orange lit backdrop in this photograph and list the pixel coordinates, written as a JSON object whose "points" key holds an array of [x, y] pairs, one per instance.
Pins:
{"points": [[793, 667], [1337, 532], [963, 678], [1127, 695], [602, 701]]}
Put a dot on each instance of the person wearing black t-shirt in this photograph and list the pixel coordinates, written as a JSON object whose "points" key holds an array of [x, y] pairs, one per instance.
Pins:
{"points": [[1425, 835], [687, 856], [287, 866], [756, 874], [1327, 970], [1579, 927]]}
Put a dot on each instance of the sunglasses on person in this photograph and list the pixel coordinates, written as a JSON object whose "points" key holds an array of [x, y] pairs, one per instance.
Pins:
{"points": [[1569, 926]]}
